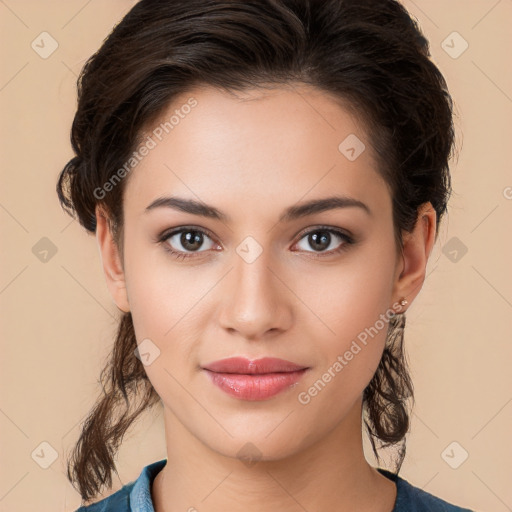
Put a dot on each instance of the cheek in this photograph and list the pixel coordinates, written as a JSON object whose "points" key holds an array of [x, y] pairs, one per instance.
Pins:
{"points": [[352, 295], [159, 293], [166, 308], [166, 304], [349, 359], [351, 305]]}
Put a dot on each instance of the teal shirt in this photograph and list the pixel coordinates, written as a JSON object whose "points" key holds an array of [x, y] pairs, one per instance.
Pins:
{"points": [[136, 496]]}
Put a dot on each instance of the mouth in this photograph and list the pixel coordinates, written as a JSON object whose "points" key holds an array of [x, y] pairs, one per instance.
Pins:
{"points": [[262, 366], [255, 380]]}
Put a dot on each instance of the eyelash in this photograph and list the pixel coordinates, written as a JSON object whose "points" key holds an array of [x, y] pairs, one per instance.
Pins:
{"points": [[347, 241]]}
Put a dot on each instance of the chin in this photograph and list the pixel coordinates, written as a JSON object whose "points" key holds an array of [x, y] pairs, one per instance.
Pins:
{"points": [[266, 443]]}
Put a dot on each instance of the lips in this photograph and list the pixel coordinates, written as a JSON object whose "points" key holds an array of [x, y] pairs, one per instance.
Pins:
{"points": [[254, 380], [258, 366]]}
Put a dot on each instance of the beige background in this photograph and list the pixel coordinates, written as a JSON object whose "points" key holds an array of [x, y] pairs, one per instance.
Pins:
{"points": [[58, 319]]}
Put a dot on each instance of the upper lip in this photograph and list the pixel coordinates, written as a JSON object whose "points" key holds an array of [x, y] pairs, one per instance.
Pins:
{"points": [[257, 366]]}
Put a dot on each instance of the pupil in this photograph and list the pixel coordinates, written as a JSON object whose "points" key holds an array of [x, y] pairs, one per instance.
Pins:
{"points": [[320, 241], [191, 240]]}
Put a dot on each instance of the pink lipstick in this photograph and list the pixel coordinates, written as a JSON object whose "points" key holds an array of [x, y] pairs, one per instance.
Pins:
{"points": [[254, 380]]}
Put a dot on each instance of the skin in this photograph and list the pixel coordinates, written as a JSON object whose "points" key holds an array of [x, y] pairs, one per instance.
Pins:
{"points": [[252, 155]]}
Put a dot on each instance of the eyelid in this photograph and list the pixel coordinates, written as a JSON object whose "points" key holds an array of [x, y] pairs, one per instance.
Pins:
{"points": [[323, 227], [347, 241], [168, 233]]}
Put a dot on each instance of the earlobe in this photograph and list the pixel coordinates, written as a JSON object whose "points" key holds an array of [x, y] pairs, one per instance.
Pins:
{"points": [[111, 261], [417, 246]]}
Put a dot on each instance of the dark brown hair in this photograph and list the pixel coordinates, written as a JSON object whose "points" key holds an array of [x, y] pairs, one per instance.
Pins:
{"points": [[368, 53]]}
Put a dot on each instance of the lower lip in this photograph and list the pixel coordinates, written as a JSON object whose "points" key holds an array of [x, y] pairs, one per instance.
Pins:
{"points": [[255, 387]]}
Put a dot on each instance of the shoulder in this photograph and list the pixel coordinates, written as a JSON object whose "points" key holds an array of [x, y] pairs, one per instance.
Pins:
{"points": [[135, 495], [413, 499]]}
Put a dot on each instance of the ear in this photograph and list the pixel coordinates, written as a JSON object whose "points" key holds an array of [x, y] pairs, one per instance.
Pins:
{"points": [[111, 260], [417, 246]]}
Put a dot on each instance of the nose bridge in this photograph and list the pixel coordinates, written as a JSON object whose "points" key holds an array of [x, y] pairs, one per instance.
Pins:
{"points": [[254, 301]]}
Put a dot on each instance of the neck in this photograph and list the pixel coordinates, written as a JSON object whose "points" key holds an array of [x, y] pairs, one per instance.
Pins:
{"points": [[332, 474]]}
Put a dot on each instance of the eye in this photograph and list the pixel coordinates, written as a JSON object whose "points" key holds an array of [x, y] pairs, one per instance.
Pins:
{"points": [[184, 242], [326, 241]]}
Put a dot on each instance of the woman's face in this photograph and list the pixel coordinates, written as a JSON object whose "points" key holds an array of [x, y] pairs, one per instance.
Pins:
{"points": [[254, 284]]}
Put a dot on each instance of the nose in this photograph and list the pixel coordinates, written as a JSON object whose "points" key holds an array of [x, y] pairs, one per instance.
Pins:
{"points": [[255, 304]]}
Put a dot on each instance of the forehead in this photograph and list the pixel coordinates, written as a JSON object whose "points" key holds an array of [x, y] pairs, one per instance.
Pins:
{"points": [[271, 146]]}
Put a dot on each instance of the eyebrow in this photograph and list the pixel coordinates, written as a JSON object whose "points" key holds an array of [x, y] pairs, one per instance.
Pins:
{"points": [[292, 213]]}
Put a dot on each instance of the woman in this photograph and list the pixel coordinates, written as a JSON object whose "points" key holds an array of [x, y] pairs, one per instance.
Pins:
{"points": [[265, 180]]}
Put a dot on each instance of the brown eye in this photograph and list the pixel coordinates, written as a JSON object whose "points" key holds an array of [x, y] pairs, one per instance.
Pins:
{"points": [[323, 240], [188, 240], [191, 240]]}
